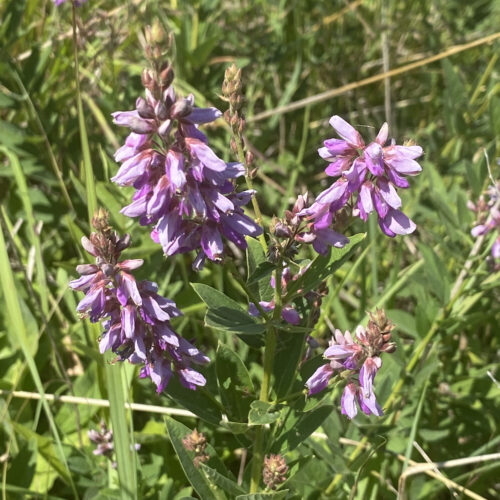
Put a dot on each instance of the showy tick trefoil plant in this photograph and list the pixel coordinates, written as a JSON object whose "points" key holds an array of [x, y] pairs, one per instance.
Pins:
{"points": [[191, 200]]}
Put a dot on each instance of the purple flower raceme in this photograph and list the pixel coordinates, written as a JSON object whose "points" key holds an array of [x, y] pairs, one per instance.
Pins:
{"points": [[368, 175], [359, 357], [136, 319], [183, 189]]}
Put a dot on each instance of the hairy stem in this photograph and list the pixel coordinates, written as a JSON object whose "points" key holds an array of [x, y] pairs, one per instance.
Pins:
{"points": [[269, 351]]}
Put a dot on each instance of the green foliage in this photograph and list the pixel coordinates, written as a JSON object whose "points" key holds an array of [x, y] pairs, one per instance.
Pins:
{"points": [[56, 158]]}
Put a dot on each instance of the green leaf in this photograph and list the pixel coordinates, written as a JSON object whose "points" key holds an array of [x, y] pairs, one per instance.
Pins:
{"points": [[228, 485], [323, 266], [288, 353], [46, 448], [235, 385], [125, 452], [226, 314], [30, 217], [263, 413], [198, 402], [177, 432], [259, 281], [299, 426]]}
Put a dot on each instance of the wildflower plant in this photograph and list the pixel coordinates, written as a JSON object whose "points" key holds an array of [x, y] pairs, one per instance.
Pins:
{"points": [[192, 202]]}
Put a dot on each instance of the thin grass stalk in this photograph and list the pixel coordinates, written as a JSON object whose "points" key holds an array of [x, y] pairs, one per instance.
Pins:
{"points": [[323, 96], [30, 219]]}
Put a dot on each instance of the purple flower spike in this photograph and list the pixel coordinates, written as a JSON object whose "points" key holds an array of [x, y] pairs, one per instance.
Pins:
{"points": [[183, 189], [136, 319], [368, 176], [359, 360]]}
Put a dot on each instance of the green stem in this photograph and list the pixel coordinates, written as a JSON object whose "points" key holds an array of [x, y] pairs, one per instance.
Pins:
{"points": [[269, 351], [248, 178]]}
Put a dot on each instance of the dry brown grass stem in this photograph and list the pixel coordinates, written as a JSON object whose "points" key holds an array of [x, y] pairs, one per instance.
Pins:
{"points": [[328, 94], [429, 468], [337, 15]]}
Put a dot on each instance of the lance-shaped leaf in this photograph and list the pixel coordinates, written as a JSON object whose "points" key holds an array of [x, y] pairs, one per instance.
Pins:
{"points": [[226, 314], [323, 266], [235, 385]]}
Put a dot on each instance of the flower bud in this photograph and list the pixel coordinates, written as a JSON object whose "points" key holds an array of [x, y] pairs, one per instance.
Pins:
{"points": [[161, 111], [156, 32], [164, 128], [235, 120], [144, 109], [123, 243], [241, 125], [147, 78], [108, 269], [86, 269], [249, 158], [281, 230], [139, 126], [166, 76], [181, 109], [231, 72]]}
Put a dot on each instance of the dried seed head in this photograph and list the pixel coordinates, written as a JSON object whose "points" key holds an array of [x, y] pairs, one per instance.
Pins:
{"points": [[274, 471], [196, 442]]}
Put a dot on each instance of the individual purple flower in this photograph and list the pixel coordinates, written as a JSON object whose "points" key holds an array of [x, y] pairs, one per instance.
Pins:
{"points": [[182, 188], [359, 359], [135, 317], [368, 175]]}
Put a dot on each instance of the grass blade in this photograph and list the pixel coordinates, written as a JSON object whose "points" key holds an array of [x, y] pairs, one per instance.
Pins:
{"points": [[18, 336], [30, 218]]}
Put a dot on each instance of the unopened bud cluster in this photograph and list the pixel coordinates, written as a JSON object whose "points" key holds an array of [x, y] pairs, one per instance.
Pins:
{"points": [[294, 228]]}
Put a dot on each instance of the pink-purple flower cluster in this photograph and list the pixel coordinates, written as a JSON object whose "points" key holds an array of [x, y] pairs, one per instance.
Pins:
{"points": [[359, 357], [296, 228], [488, 217], [183, 189], [288, 311], [136, 319], [368, 176]]}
